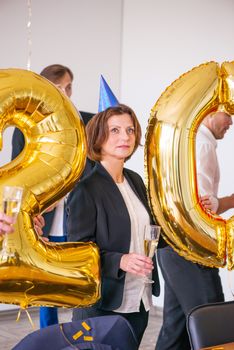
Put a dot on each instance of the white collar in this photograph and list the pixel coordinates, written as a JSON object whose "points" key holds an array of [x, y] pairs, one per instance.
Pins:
{"points": [[208, 134]]}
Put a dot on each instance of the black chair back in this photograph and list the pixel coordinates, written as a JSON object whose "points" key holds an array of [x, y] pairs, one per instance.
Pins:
{"points": [[211, 324]]}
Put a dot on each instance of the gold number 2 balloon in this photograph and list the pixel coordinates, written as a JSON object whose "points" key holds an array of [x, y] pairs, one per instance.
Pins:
{"points": [[33, 272], [170, 164]]}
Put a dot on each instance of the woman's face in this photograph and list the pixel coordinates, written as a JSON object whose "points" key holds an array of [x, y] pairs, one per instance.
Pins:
{"points": [[121, 138], [65, 84]]}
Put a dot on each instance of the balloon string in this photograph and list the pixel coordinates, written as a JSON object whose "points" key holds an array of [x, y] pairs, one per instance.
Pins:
{"points": [[29, 34], [29, 317]]}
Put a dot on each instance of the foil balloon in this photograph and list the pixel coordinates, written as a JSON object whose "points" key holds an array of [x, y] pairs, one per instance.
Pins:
{"points": [[170, 164], [34, 272]]}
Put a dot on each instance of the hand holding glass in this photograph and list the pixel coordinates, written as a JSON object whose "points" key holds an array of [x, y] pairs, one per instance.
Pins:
{"points": [[151, 238], [12, 196]]}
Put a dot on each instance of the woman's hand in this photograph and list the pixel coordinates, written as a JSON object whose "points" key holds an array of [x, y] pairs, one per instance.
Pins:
{"points": [[137, 264], [6, 223]]}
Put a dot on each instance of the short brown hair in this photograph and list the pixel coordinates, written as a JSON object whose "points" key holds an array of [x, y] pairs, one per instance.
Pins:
{"points": [[55, 72], [97, 130]]}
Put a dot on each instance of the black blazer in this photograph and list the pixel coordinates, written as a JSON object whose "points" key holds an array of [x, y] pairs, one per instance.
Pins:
{"points": [[97, 212]]}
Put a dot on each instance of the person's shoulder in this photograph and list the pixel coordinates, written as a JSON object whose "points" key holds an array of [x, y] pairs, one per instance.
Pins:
{"points": [[133, 175], [86, 116], [89, 180], [82, 187], [205, 136], [131, 172]]}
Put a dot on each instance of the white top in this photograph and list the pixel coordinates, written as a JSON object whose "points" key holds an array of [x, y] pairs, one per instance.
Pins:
{"points": [[208, 174], [135, 288], [57, 225]]}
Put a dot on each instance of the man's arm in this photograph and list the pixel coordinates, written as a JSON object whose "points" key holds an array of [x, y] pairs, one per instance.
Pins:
{"points": [[206, 164], [225, 203]]}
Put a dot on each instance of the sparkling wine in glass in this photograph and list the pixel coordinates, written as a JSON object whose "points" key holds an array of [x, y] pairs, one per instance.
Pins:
{"points": [[151, 238], [12, 196], [11, 202]]}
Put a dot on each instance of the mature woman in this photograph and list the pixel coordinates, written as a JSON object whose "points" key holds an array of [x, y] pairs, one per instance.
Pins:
{"points": [[113, 214]]}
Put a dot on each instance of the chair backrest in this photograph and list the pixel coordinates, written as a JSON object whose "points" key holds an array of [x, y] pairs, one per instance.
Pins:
{"points": [[211, 324]]}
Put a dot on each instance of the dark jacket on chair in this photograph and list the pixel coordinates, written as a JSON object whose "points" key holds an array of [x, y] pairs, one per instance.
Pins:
{"points": [[102, 333]]}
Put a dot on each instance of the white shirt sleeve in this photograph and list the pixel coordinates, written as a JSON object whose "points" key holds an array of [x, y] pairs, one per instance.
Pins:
{"points": [[206, 162]]}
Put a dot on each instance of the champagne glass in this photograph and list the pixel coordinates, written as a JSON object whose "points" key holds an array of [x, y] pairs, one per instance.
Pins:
{"points": [[151, 238], [12, 196]]}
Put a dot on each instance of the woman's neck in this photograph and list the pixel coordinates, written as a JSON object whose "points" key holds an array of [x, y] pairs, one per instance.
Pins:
{"points": [[114, 168]]}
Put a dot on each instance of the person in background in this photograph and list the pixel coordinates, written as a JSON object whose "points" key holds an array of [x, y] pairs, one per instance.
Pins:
{"points": [[113, 214], [213, 128], [187, 284], [54, 228], [62, 77]]}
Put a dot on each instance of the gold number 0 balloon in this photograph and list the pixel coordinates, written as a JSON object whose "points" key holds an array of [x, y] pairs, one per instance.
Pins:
{"points": [[170, 164], [33, 272]]}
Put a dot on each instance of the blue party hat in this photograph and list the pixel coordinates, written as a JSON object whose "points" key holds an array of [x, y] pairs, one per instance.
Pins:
{"points": [[106, 96]]}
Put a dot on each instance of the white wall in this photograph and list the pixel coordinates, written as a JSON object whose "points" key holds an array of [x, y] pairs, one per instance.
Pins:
{"points": [[140, 47], [84, 35], [163, 39]]}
